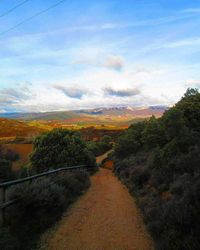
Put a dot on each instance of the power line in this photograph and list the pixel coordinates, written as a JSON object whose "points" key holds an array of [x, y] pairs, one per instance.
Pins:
{"points": [[14, 8], [32, 17]]}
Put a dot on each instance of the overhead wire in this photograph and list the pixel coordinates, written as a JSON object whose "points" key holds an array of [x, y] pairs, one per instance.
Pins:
{"points": [[32, 17], [13, 9]]}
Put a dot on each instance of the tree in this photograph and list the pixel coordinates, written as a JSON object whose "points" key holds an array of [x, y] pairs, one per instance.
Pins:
{"points": [[190, 107], [174, 122], [106, 139], [190, 92], [153, 134], [131, 141], [59, 148]]}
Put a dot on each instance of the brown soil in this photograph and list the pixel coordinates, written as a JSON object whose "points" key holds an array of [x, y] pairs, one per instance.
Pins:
{"points": [[101, 158], [108, 165], [105, 218]]}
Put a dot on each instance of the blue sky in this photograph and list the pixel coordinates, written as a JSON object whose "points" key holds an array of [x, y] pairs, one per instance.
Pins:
{"points": [[85, 54]]}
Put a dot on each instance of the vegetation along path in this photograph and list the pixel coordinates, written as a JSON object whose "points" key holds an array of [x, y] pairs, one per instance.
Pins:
{"points": [[104, 218]]}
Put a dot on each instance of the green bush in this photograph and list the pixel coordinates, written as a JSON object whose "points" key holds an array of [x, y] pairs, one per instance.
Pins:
{"points": [[159, 161], [40, 204], [100, 147], [59, 148], [74, 184], [131, 141]]}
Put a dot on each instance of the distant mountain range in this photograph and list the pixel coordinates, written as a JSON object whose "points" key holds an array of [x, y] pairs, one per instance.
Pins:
{"points": [[109, 119], [106, 113]]}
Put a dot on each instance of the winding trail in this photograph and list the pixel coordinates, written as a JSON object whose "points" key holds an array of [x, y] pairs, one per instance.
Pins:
{"points": [[101, 158], [105, 218]]}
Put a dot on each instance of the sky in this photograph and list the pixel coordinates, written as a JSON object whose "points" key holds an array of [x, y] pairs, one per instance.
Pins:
{"points": [[66, 55]]}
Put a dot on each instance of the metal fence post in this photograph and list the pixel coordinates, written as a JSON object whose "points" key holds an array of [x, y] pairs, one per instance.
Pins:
{"points": [[2, 201]]}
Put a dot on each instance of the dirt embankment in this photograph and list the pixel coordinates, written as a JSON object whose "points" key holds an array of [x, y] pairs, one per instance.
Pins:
{"points": [[105, 218]]}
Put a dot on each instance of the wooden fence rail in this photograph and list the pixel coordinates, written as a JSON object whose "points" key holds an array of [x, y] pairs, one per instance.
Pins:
{"points": [[5, 185]]}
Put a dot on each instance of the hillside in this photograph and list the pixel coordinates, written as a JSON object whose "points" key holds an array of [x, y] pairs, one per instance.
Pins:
{"points": [[118, 118], [12, 128]]}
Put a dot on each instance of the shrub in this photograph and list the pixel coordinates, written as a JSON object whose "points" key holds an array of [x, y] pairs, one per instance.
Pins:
{"points": [[58, 148], [139, 176], [171, 166], [73, 183], [131, 141], [41, 203], [7, 241], [6, 158], [11, 155], [101, 147], [6, 172]]}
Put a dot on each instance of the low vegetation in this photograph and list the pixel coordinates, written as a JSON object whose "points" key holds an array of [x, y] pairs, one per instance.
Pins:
{"points": [[100, 147], [14, 128], [159, 161], [42, 202], [60, 148], [7, 157]]}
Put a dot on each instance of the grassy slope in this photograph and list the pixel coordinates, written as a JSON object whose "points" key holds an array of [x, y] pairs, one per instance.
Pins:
{"points": [[12, 128]]}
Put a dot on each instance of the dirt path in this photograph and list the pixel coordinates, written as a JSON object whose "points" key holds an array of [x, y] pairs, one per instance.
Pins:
{"points": [[100, 158], [105, 218]]}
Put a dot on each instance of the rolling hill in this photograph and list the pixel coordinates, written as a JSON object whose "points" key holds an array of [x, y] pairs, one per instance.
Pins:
{"points": [[12, 128], [92, 116], [32, 124]]}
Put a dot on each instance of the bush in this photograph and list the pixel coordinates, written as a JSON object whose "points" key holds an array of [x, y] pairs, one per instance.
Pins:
{"points": [[139, 176], [101, 147], [7, 241], [159, 162], [6, 172], [131, 141], [73, 184], [11, 155], [41, 203], [6, 158], [59, 148]]}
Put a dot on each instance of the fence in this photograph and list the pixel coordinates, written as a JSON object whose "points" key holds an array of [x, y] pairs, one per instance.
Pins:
{"points": [[4, 186]]}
